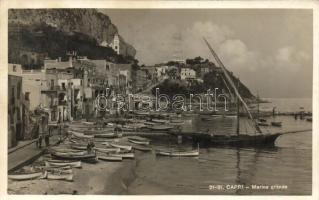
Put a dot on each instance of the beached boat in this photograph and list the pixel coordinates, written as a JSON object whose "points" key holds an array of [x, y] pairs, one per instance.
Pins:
{"points": [[59, 171], [71, 153], [123, 155], [159, 121], [80, 135], [110, 158], [176, 121], [278, 124], [53, 176], [150, 123], [139, 142], [27, 176], [84, 157], [192, 153], [107, 150], [63, 163], [64, 150], [160, 128], [106, 135], [138, 138], [78, 146], [89, 123], [121, 146], [142, 148]]}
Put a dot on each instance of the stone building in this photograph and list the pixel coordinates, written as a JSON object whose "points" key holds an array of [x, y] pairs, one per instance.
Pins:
{"points": [[15, 109]]}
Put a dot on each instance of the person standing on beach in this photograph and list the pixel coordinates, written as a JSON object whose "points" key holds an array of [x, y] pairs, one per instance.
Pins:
{"points": [[43, 131]]}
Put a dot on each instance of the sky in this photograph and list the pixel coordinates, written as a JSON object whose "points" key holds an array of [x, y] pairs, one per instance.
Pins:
{"points": [[270, 50]]}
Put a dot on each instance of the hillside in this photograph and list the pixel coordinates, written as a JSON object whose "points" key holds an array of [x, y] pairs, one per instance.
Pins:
{"points": [[56, 31]]}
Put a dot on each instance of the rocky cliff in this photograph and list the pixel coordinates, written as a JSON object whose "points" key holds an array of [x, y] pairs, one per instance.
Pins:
{"points": [[85, 21]]}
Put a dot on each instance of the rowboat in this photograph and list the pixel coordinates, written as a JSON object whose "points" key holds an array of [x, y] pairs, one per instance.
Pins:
{"points": [[107, 150], [279, 124], [62, 163], [78, 147], [138, 138], [27, 176], [73, 157], [88, 123], [139, 142], [106, 135], [53, 176], [193, 153], [80, 135], [72, 153], [59, 171], [65, 150], [142, 148], [160, 128], [159, 121], [177, 121], [121, 146], [149, 123], [110, 158], [123, 155]]}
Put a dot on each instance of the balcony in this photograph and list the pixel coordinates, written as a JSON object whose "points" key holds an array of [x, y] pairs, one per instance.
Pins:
{"points": [[55, 88]]}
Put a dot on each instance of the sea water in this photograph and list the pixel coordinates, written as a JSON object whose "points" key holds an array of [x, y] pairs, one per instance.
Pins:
{"points": [[285, 169]]}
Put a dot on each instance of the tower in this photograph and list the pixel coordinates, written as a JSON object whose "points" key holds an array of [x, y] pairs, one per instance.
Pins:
{"points": [[116, 43]]}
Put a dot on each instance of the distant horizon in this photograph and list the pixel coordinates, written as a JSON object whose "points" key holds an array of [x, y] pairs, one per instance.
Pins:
{"points": [[270, 50]]}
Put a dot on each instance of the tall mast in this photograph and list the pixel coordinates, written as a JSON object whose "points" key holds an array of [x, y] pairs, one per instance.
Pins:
{"points": [[232, 84], [237, 104], [257, 106]]}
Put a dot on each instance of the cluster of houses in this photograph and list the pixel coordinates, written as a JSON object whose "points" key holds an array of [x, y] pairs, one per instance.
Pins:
{"points": [[66, 90], [180, 70]]}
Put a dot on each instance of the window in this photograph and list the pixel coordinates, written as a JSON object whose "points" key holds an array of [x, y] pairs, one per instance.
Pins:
{"points": [[52, 84], [27, 96], [18, 90], [63, 86], [14, 68]]}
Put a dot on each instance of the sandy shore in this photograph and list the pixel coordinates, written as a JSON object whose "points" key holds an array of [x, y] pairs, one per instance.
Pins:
{"points": [[99, 178]]}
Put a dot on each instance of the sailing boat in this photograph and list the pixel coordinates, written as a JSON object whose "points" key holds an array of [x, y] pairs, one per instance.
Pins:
{"points": [[258, 138]]}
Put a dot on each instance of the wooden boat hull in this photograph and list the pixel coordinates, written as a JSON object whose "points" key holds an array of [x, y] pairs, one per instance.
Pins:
{"points": [[245, 140], [121, 146], [107, 150], [110, 158], [178, 154], [66, 177], [139, 142], [79, 147], [56, 163], [85, 157], [278, 124], [22, 177], [142, 148], [123, 155]]}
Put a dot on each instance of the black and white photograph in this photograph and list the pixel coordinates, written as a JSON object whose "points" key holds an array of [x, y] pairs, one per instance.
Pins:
{"points": [[160, 101]]}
